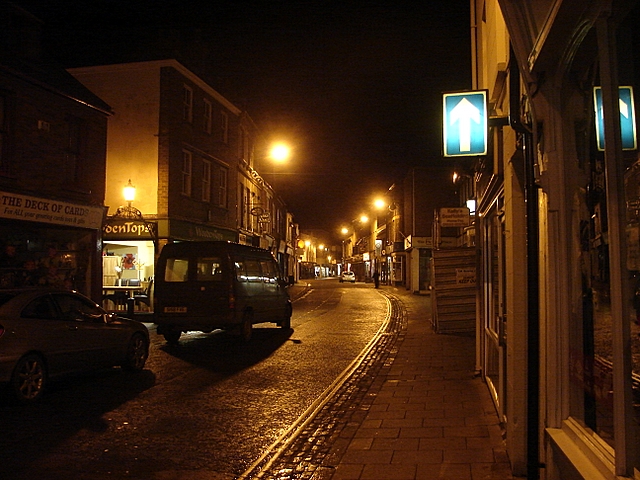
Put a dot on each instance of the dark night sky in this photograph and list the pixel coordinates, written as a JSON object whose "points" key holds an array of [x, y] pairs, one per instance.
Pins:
{"points": [[354, 86]]}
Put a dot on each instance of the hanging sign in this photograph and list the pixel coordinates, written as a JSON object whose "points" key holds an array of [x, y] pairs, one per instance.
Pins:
{"points": [[627, 118], [465, 122]]}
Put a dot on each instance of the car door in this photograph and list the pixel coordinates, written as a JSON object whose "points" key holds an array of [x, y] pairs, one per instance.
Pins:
{"points": [[41, 328], [95, 344]]}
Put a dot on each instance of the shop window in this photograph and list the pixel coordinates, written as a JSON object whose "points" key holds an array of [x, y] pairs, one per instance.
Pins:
{"points": [[47, 257]]}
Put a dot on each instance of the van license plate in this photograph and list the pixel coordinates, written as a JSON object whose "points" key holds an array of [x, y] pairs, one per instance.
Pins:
{"points": [[175, 309]]}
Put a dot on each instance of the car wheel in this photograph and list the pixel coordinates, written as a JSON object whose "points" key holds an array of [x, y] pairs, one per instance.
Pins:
{"points": [[246, 327], [29, 378], [172, 336], [137, 353]]}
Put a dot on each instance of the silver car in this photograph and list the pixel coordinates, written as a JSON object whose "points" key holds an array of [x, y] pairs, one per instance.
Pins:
{"points": [[348, 277], [48, 333]]}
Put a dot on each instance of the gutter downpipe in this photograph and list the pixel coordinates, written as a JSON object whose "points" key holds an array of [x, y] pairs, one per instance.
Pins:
{"points": [[533, 273]]}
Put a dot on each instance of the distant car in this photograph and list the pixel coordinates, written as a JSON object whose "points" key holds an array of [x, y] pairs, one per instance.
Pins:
{"points": [[49, 333], [348, 277]]}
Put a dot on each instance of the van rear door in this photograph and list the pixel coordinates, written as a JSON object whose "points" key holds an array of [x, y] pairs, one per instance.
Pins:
{"points": [[195, 290]]}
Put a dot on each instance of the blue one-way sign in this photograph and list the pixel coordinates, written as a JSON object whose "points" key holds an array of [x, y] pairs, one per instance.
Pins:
{"points": [[465, 123], [627, 118]]}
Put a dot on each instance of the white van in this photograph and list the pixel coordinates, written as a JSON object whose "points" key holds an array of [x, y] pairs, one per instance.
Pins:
{"points": [[205, 286]]}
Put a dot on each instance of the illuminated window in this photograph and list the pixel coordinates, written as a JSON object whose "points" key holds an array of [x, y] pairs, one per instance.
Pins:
{"points": [[206, 181], [187, 161], [206, 116], [187, 103]]}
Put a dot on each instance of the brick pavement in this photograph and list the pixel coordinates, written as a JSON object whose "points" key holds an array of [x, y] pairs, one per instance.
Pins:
{"points": [[432, 418], [414, 410]]}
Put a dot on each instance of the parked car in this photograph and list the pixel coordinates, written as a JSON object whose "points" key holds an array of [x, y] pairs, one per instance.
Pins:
{"points": [[348, 277], [210, 285], [47, 333]]}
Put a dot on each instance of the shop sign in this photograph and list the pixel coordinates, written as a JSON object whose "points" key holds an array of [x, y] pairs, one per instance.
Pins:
{"points": [[121, 229], [191, 231], [417, 242], [454, 217], [34, 209]]}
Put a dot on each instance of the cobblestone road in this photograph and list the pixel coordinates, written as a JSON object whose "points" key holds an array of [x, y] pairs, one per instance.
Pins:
{"points": [[313, 449]]}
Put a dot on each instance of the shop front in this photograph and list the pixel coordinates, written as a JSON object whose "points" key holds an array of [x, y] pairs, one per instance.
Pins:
{"points": [[130, 247], [50, 243]]}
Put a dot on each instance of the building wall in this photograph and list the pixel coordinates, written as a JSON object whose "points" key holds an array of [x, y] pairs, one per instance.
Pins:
{"points": [[148, 135], [133, 90], [575, 419], [52, 164]]}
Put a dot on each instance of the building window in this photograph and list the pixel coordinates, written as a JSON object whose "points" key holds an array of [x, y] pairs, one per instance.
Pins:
{"points": [[206, 181], [224, 126], [187, 162], [187, 103], [221, 187], [244, 144], [206, 116]]}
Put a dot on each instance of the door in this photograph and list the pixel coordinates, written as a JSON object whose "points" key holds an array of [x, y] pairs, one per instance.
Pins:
{"points": [[494, 316]]}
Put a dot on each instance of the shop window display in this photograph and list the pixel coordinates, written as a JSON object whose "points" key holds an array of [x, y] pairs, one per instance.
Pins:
{"points": [[44, 257]]}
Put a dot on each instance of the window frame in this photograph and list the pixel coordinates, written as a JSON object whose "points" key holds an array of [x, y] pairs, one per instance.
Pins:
{"points": [[207, 116], [206, 181], [187, 103], [224, 127], [187, 173], [222, 187]]}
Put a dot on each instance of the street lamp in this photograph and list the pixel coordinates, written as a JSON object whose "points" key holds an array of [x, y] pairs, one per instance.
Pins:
{"points": [[130, 212], [280, 152]]}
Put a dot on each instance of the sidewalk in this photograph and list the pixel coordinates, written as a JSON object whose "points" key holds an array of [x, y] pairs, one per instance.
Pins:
{"points": [[432, 418]]}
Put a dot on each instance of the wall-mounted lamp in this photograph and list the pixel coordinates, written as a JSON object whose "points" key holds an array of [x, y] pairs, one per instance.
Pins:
{"points": [[130, 212], [129, 192]]}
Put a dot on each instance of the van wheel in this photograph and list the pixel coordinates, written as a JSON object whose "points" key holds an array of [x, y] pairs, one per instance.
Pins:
{"points": [[286, 321], [172, 336], [246, 328]]}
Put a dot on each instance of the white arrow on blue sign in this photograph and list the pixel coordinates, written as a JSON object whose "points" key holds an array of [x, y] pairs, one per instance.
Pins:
{"points": [[627, 118], [465, 123]]}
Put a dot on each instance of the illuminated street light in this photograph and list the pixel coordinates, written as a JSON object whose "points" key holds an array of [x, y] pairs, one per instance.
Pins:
{"points": [[364, 218], [379, 203], [280, 152]]}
